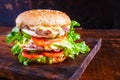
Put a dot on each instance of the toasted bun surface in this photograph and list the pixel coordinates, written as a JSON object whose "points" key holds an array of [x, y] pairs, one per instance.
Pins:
{"points": [[57, 60], [43, 17], [44, 23]]}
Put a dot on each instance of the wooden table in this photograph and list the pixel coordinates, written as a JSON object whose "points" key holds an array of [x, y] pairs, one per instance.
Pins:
{"points": [[106, 63]]}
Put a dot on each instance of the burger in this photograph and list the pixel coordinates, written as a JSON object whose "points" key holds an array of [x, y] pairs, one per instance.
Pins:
{"points": [[45, 36]]}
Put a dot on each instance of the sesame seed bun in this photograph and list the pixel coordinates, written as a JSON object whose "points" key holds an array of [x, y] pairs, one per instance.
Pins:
{"points": [[43, 17], [50, 19]]}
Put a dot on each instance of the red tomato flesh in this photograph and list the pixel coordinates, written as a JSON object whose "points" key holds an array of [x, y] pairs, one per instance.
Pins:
{"points": [[45, 42], [30, 56], [45, 53], [53, 54]]}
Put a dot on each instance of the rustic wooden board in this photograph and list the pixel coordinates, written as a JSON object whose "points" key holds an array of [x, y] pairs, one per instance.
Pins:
{"points": [[69, 69]]}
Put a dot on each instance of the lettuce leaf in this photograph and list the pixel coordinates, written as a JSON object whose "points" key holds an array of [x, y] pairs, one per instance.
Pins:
{"points": [[18, 38], [71, 34], [70, 47]]}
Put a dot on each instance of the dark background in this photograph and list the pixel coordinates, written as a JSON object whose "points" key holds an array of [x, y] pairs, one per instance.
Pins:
{"points": [[91, 14]]}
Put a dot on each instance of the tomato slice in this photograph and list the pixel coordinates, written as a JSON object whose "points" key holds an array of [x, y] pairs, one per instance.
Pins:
{"points": [[45, 53], [53, 54], [46, 42], [30, 56]]}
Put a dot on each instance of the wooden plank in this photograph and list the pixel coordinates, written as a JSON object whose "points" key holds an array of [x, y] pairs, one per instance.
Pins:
{"points": [[69, 69], [78, 73]]}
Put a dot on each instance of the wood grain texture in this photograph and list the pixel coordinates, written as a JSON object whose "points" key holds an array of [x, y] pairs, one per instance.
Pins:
{"points": [[70, 69], [106, 63]]}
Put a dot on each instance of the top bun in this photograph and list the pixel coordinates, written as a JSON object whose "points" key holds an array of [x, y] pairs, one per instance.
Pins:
{"points": [[43, 17], [44, 23]]}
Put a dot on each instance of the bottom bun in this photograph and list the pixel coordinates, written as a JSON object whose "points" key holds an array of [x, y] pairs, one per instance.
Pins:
{"points": [[58, 59]]}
